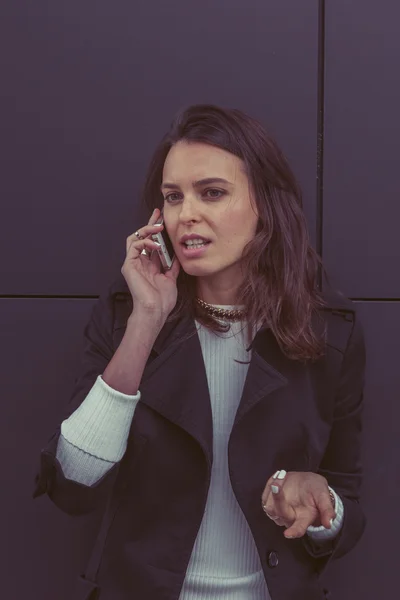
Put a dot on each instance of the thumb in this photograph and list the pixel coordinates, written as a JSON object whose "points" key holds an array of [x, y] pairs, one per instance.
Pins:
{"points": [[299, 527], [326, 510]]}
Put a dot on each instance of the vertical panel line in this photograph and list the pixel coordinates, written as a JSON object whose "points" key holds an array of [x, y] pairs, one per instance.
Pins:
{"points": [[320, 131]]}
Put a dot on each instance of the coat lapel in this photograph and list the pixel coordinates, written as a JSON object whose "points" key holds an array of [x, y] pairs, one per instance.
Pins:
{"points": [[264, 375], [174, 382], [175, 385]]}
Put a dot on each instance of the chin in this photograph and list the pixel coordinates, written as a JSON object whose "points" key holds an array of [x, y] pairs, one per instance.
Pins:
{"points": [[199, 270]]}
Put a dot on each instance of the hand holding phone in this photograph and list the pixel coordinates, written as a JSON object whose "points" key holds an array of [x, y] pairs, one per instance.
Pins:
{"points": [[152, 290]]}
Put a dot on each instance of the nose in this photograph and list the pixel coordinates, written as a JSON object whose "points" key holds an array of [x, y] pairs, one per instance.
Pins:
{"points": [[188, 211]]}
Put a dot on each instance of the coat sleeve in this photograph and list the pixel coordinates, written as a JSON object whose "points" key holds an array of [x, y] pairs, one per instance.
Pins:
{"points": [[72, 497], [341, 464]]}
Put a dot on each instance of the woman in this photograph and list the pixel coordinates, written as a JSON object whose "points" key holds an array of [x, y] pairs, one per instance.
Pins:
{"points": [[218, 410]]}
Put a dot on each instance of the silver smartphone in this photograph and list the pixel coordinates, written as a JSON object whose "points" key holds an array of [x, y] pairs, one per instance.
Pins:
{"points": [[166, 250]]}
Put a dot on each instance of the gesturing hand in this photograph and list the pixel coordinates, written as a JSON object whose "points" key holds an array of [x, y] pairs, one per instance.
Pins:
{"points": [[298, 500]]}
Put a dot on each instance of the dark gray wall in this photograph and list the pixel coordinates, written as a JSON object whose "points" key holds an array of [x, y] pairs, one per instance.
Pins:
{"points": [[87, 90], [361, 147], [361, 249]]}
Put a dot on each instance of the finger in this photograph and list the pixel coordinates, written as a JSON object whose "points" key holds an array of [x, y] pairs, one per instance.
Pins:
{"points": [[277, 519], [281, 522], [279, 509], [276, 480], [268, 508], [136, 247], [268, 504], [145, 232], [154, 216], [277, 497], [283, 510], [299, 527], [326, 510], [275, 506], [151, 229], [132, 242]]}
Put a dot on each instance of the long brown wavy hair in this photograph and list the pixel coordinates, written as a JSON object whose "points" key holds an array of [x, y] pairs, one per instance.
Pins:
{"points": [[280, 289]]}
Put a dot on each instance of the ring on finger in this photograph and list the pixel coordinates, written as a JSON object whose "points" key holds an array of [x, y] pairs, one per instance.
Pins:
{"points": [[271, 517], [138, 235], [267, 513]]}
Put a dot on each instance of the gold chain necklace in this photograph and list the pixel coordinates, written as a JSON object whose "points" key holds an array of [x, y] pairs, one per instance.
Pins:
{"points": [[222, 313]]}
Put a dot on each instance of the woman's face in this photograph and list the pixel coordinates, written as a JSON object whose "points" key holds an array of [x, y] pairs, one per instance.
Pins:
{"points": [[219, 211]]}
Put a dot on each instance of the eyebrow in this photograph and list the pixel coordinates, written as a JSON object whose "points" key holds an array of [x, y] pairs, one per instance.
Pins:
{"points": [[174, 186]]}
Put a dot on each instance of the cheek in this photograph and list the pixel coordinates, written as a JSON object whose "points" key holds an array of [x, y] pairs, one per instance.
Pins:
{"points": [[242, 224], [239, 236], [169, 226]]}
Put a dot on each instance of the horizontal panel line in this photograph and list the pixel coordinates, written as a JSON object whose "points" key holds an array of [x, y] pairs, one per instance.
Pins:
{"points": [[79, 297], [47, 297], [375, 299]]}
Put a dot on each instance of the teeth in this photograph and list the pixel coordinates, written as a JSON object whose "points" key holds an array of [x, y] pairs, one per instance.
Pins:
{"points": [[196, 245], [195, 242]]}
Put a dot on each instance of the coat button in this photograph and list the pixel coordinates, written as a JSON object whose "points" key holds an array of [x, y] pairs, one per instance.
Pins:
{"points": [[272, 559]]}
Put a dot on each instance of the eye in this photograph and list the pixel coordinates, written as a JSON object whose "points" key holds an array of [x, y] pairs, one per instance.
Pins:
{"points": [[215, 195], [221, 192], [168, 197]]}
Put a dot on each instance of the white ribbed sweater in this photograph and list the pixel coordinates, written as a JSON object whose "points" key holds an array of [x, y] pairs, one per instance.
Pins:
{"points": [[224, 563]]}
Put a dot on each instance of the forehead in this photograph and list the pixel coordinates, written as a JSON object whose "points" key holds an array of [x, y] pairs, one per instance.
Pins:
{"points": [[196, 160]]}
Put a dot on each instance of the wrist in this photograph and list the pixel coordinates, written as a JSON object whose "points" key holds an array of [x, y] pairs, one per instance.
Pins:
{"points": [[321, 533], [150, 321]]}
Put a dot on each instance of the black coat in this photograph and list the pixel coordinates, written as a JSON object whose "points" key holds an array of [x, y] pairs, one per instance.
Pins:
{"points": [[291, 416]]}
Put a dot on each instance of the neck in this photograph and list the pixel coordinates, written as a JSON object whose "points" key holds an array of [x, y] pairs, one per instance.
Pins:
{"points": [[221, 295]]}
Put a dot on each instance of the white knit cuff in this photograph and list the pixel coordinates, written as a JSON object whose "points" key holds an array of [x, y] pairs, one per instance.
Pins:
{"points": [[321, 533], [100, 425], [79, 466]]}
